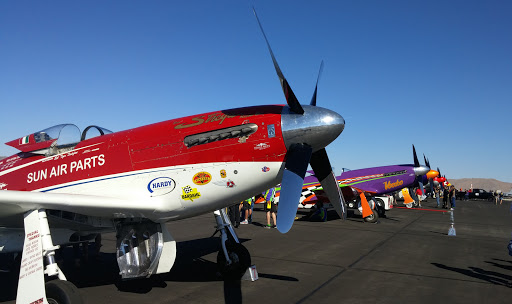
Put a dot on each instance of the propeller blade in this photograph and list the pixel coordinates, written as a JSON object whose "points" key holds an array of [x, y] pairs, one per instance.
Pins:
{"points": [[426, 161], [297, 160], [416, 162], [313, 99], [292, 101], [323, 171], [420, 181]]}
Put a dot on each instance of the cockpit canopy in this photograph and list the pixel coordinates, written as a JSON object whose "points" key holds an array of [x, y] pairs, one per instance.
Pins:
{"points": [[56, 140]]}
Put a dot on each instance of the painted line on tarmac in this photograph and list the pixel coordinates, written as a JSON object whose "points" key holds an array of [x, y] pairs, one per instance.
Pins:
{"points": [[443, 210]]}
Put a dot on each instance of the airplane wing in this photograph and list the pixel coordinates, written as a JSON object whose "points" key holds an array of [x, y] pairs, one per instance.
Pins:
{"points": [[18, 202]]}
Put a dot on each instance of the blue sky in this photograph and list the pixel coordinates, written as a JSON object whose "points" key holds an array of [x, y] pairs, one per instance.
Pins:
{"points": [[437, 74]]}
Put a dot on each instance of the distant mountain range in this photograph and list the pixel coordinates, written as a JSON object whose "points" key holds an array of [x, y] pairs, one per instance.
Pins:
{"points": [[481, 183]]}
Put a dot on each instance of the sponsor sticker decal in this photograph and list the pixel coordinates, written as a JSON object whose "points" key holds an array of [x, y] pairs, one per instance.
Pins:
{"points": [[261, 146], [202, 178], [265, 169], [225, 183], [271, 129], [161, 186], [223, 173], [190, 193]]}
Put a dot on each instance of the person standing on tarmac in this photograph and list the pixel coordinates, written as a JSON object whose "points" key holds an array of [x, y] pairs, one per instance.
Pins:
{"points": [[445, 197], [437, 193], [419, 194], [270, 207], [453, 194], [247, 210]]}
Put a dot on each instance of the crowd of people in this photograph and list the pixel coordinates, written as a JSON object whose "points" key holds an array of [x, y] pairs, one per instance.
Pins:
{"points": [[447, 194], [241, 213], [498, 197]]}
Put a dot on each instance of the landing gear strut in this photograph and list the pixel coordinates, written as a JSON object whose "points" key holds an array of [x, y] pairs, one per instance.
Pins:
{"points": [[37, 247], [234, 259]]}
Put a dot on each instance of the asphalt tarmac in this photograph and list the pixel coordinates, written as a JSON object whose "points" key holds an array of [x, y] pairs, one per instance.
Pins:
{"points": [[405, 258]]}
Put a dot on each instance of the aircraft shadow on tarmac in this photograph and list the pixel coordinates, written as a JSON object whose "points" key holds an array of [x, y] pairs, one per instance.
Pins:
{"points": [[507, 267], [190, 266], [103, 270], [331, 216], [492, 277]]}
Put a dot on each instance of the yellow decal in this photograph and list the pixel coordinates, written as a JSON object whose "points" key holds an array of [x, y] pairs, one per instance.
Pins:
{"points": [[223, 173], [202, 178], [190, 193], [389, 185]]}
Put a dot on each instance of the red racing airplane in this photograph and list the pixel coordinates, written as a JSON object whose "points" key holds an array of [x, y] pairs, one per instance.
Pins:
{"points": [[134, 181]]}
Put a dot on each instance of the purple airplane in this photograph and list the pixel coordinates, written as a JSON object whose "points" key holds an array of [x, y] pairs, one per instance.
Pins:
{"points": [[356, 184]]}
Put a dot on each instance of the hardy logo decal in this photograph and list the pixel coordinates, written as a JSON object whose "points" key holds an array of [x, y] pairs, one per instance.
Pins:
{"points": [[223, 173], [161, 186], [190, 193], [389, 185], [261, 146], [265, 169], [202, 178]]}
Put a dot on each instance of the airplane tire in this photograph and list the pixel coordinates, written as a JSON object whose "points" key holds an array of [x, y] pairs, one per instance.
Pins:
{"points": [[241, 260], [62, 292], [374, 217], [380, 207]]}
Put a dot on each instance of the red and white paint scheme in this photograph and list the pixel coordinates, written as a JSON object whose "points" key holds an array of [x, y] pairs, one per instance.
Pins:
{"points": [[134, 181], [152, 165]]}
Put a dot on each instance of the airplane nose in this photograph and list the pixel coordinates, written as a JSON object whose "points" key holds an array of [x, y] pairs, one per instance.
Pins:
{"points": [[317, 127], [432, 174], [421, 170]]}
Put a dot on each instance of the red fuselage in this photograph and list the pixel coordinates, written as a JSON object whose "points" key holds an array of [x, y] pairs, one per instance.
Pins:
{"points": [[157, 145]]}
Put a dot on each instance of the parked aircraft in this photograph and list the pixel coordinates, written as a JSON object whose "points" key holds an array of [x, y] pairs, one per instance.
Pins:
{"points": [[359, 185], [134, 181]]}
